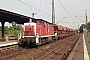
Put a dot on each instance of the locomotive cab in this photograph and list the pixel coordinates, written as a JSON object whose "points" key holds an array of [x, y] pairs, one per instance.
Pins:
{"points": [[29, 29]]}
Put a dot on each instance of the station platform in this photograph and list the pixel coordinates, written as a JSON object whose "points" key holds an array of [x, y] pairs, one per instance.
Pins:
{"points": [[81, 51], [8, 43]]}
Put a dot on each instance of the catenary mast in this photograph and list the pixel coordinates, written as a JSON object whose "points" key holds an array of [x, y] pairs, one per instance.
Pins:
{"points": [[86, 17], [53, 12]]}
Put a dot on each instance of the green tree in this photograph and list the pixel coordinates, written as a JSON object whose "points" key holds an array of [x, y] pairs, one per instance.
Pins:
{"points": [[88, 26], [12, 30], [6, 29], [81, 28]]}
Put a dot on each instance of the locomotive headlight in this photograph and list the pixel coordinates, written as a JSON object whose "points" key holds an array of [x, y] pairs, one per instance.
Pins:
{"points": [[37, 34], [55, 34]]}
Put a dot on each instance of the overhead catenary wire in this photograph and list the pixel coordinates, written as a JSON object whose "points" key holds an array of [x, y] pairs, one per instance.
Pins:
{"points": [[65, 9], [34, 7], [40, 3], [79, 19], [69, 6], [35, 3], [40, 7], [46, 2], [60, 20]]}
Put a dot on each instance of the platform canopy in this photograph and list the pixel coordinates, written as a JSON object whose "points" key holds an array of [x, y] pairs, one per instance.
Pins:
{"points": [[7, 16]]}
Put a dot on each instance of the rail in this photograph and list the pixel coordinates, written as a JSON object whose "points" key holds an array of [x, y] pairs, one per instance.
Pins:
{"points": [[67, 52], [64, 55]]}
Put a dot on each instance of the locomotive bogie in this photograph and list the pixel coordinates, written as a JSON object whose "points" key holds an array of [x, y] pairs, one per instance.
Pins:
{"points": [[37, 40]]}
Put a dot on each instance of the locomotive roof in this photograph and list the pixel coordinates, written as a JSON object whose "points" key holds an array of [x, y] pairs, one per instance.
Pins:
{"points": [[42, 20]]}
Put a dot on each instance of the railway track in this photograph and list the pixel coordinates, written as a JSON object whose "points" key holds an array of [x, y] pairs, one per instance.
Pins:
{"points": [[56, 54], [44, 52], [10, 47], [10, 38], [67, 52], [5, 55]]}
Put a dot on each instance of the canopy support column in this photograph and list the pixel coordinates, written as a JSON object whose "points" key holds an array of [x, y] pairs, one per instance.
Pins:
{"points": [[2, 31]]}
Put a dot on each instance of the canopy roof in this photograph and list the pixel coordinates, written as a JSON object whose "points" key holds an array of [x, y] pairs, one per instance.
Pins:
{"points": [[7, 16]]}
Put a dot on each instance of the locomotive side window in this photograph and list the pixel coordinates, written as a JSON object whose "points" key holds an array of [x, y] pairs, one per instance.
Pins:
{"points": [[41, 22]]}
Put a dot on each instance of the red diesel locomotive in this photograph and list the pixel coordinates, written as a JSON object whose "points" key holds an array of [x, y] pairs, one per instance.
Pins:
{"points": [[40, 32]]}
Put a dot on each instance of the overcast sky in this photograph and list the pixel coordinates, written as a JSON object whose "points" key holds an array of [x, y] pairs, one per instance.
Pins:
{"points": [[43, 8]]}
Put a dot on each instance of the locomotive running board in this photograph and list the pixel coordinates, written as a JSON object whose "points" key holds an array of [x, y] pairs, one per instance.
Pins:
{"points": [[40, 36]]}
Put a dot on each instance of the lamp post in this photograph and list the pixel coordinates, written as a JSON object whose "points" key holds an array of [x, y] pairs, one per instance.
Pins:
{"points": [[32, 16]]}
